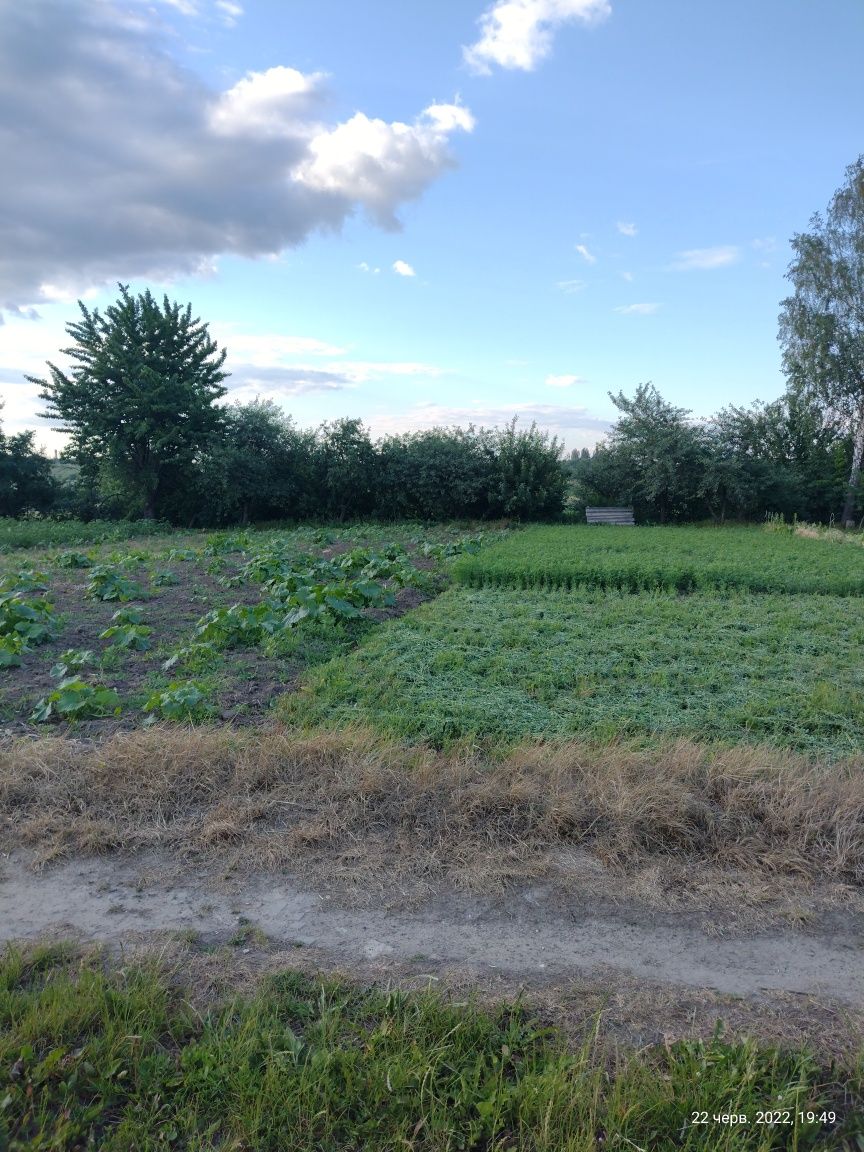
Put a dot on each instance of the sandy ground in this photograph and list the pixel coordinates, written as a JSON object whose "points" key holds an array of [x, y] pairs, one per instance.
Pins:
{"points": [[790, 984]]}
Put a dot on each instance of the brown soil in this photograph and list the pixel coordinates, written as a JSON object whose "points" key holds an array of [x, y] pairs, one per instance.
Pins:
{"points": [[249, 680]]}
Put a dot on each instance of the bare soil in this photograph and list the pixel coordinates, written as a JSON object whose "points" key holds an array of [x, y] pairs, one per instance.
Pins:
{"points": [[649, 975]]}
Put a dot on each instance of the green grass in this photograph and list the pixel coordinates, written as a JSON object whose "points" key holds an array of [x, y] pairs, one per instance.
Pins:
{"points": [[16, 534], [675, 558], [115, 1058], [498, 666]]}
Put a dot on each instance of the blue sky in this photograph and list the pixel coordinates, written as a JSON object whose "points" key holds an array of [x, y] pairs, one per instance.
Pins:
{"points": [[425, 214]]}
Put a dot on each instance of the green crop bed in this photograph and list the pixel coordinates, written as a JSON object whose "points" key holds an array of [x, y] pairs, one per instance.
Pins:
{"points": [[677, 558], [497, 665]]}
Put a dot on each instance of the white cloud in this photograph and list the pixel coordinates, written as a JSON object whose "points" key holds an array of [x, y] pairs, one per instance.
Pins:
{"points": [[364, 267], [626, 229], [637, 309], [270, 348], [403, 269], [518, 34], [565, 381], [229, 11], [178, 172], [268, 104], [628, 276], [570, 286], [379, 164], [707, 258], [589, 257]]}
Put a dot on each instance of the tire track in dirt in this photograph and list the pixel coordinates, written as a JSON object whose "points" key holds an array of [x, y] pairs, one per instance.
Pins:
{"points": [[104, 900]]}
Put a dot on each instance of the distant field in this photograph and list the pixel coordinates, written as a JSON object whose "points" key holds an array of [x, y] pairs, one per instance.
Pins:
{"points": [[680, 559], [498, 665]]}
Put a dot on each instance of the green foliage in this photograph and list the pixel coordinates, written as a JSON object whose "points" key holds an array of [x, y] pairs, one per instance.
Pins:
{"points": [[120, 1054], [26, 480], [497, 665], [73, 699], [26, 621], [139, 401], [44, 533], [72, 661], [164, 578], [181, 700], [73, 560], [127, 631], [11, 648], [107, 584], [681, 558], [25, 580], [822, 322]]}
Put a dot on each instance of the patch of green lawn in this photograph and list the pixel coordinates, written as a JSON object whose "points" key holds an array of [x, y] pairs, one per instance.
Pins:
{"points": [[116, 1058], [498, 665], [680, 558]]}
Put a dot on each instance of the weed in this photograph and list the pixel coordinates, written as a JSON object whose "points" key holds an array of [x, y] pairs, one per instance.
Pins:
{"points": [[107, 584], [74, 699]]}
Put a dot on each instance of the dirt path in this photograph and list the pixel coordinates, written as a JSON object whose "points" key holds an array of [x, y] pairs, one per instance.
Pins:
{"points": [[521, 937]]}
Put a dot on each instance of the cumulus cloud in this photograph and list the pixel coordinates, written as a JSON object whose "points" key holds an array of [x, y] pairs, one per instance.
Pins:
{"points": [[637, 309], [586, 255], [364, 267], [403, 269], [123, 164], [564, 381], [706, 259], [626, 229], [517, 34]]}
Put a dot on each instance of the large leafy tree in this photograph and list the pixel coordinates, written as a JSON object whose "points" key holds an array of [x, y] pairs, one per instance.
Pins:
{"points": [[139, 402], [655, 458], [822, 322]]}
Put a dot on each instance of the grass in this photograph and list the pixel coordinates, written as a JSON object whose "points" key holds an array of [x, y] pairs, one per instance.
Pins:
{"points": [[274, 799], [46, 533], [97, 1055], [497, 666], [674, 558]]}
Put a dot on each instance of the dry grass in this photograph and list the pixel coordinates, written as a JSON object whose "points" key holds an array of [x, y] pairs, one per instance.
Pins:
{"points": [[355, 805]]}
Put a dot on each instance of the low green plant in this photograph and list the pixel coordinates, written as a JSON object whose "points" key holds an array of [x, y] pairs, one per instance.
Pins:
{"points": [[164, 578], [128, 631], [26, 621], [25, 580], [677, 559], [106, 583], [73, 560], [72, 661], [11, 648], [181, 700], [74, 699], [197, 657], [122, 1051], [499, 666]]}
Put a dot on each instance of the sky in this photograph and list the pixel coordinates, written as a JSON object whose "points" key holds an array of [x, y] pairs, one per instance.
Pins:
{"points": [[425, 214]]}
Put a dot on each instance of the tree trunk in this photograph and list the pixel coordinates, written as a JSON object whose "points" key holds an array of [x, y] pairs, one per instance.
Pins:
{"points": [[847, 517]]}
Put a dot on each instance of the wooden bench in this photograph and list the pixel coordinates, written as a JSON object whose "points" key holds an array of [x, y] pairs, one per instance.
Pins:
{"points": [[610, 516]]}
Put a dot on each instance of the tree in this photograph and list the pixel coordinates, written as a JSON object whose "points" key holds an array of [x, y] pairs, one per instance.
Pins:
{"points": [[655, 458], [139, 401], [259, 468], [26, 481], [822, 322]]}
